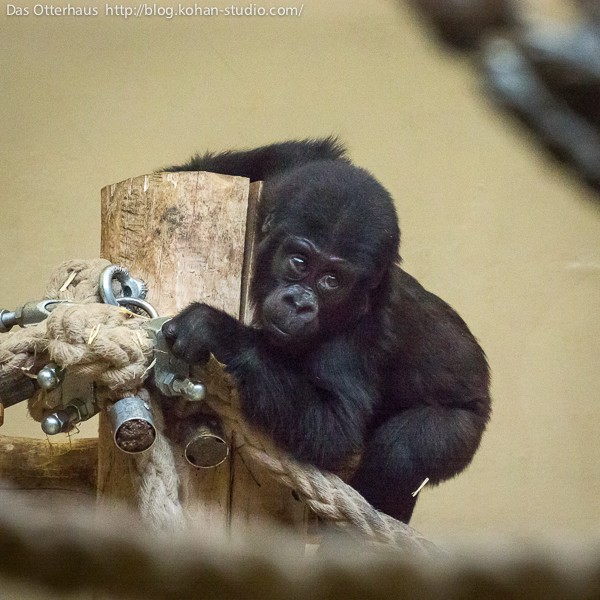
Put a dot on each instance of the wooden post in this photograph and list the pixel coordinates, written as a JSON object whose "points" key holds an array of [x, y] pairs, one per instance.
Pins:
{"points": [[190, 236]]}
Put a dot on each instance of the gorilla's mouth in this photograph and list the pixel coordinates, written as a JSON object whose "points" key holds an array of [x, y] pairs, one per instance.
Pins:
{"points": [[290, 342], [277, 331]]}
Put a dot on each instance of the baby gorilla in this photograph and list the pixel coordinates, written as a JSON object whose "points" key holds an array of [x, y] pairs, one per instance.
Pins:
{"points": [[348, 354]]}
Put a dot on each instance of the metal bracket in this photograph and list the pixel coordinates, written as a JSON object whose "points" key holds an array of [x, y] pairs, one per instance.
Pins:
{"points": [[30, 313], [77, 405], [171, 374]]}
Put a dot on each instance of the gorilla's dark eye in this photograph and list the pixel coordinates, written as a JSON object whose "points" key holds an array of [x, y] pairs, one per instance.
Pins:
{"points": [[329, 282], [297, 265]]}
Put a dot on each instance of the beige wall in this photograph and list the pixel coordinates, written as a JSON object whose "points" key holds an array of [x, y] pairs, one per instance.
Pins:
{"points": [[510, 239]]}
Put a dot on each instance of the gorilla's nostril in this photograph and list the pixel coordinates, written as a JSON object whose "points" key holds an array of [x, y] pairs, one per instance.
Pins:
{"points": [[288, 299]]}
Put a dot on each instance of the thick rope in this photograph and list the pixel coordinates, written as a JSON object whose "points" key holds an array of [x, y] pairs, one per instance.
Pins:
{"points": [[100, 343], [24, 351], [72, 281], [105, 345], [326, 494], [158, 492], [113, 555], [76, 280]]}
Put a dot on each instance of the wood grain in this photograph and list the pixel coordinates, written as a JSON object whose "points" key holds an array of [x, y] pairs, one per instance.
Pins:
{"points": [[32, 464]]}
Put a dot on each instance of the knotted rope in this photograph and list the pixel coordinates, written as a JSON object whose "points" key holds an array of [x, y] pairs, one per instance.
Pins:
{"points": [[24, 351], [107, 345], [104, 345], [100, 343], [158, 492]]}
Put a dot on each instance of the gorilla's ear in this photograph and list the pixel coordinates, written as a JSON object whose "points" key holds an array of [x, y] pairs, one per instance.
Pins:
{"points": [[267, 224]]}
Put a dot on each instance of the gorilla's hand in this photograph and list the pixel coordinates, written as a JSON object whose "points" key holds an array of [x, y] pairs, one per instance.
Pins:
{"points": [[200, 330], [189, 333]]}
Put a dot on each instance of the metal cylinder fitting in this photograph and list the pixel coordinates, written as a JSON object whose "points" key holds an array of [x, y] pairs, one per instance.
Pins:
{"points": [[132, 425], [204, 443]]}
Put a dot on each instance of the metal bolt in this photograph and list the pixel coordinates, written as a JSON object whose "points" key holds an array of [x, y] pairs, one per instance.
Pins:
{"points": [[64, 419], [52, 424], [61, 420], [194, 392], [50, 376], [8, 319]]}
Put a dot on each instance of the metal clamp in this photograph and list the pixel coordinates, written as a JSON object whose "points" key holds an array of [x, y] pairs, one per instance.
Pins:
{"points": [[28, 314], [63, 420], [77, 400]]}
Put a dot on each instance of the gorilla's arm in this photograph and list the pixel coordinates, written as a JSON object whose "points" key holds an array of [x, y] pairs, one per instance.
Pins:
{"points": [[266, 161], [316, 410]]}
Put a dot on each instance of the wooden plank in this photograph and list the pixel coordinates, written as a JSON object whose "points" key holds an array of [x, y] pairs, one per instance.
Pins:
{"points": [[183, 233], [191, 236], [32, 464]]}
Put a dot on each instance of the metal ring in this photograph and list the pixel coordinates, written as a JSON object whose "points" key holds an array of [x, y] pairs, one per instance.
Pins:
{"points": [[145, 306], [106, 277], [131, 287]]}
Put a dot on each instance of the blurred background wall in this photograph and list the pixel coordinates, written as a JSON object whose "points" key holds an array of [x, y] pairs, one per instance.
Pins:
{"points": [[507, 236]]}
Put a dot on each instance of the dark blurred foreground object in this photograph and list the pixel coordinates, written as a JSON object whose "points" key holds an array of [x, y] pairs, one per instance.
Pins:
{"points": [[567, 61], [461, 23], [549, 76], [551, 79], [592, 8]]}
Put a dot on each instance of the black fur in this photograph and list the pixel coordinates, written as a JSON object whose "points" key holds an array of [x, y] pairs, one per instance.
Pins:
{"points": [[349, 353]]}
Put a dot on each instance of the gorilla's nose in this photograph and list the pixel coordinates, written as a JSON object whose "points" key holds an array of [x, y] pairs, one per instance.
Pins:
{"points": [[303, 302]]}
